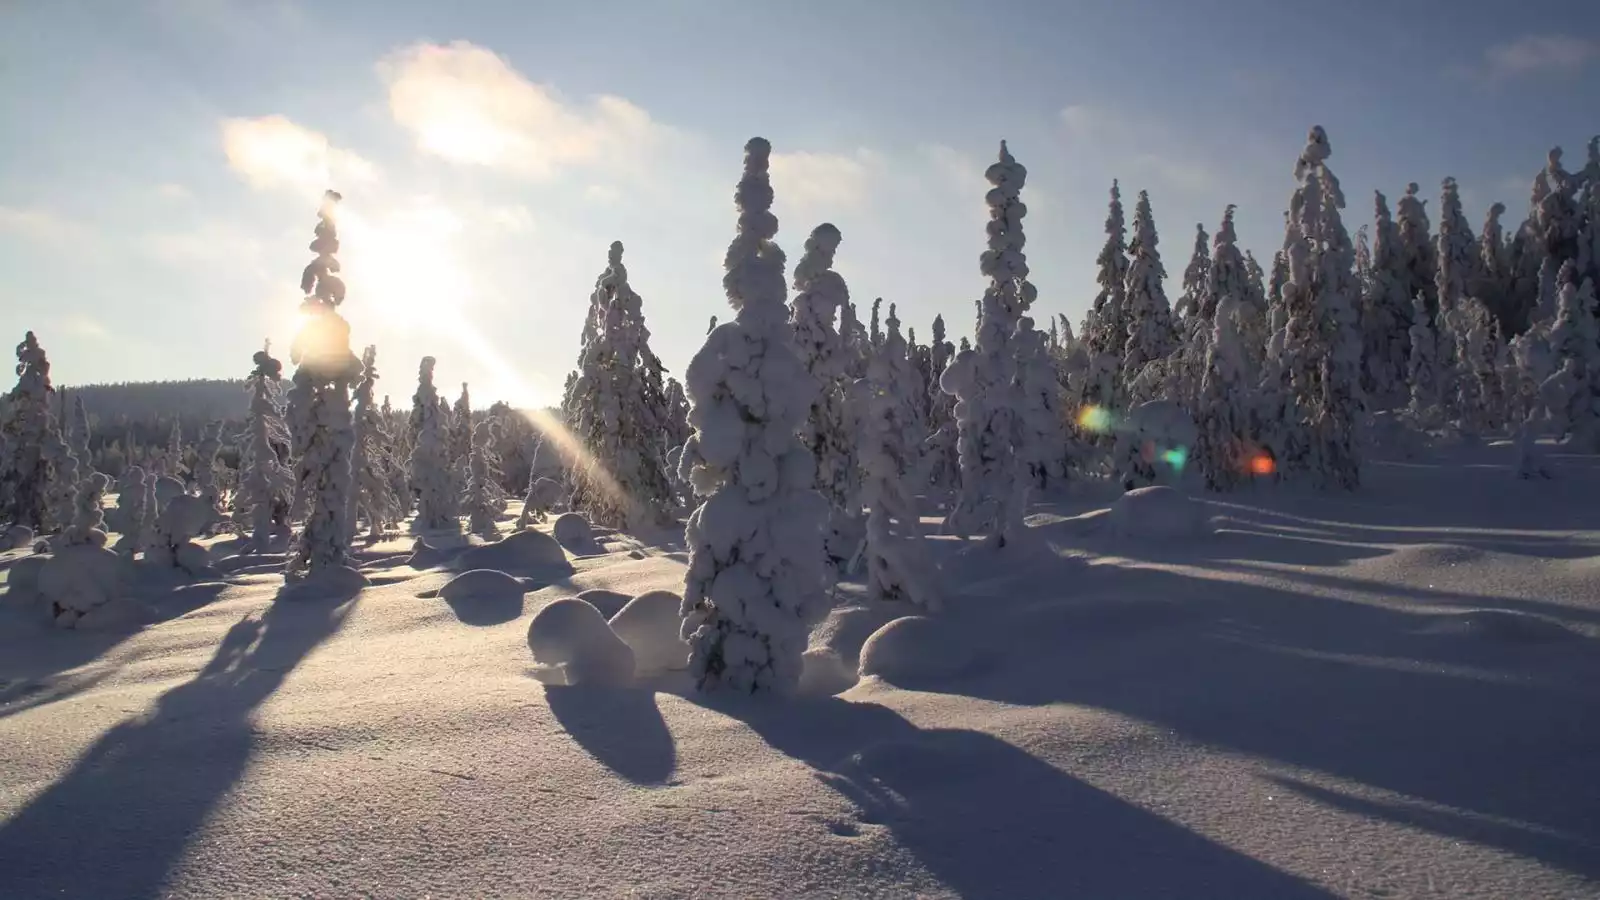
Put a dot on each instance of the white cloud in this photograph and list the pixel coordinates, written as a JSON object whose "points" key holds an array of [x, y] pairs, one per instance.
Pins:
{"points": [[174, 192], [822, 181], [1535, 53], [213, 244], [40, 225], [515, 219], [274, 152], [466, 104], [80, 325], [603, 194], [960, 171]]}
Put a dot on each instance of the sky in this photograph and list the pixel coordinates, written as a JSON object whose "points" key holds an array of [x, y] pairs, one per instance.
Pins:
{"points": [[161, 160]]}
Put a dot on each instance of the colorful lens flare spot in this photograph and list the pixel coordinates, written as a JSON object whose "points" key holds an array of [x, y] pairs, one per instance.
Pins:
{"points": [[1261, 464], [1176, 457], [1095, 418]]}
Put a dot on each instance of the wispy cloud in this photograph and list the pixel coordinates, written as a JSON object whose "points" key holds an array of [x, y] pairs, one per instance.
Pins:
{"points": [[466, 104], [1535, 53], [274, 152], [822, 181], [37, 224], [956, 169], [82, 326]]}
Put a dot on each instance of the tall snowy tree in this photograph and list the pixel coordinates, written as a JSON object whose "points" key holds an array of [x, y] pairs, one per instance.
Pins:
{"points": [[265, 483], [326, 364], [756, 578], [1222, 448], [1557, 212], [1150, 328], [826, 432], [1575, 342], [993, 492], [888, 435], [1417, 249], [429, 463], [78, 435], [372, 496], [1386, 311], [1455, 258], [205, 467], [1194, 279], [31, 431], [1110, 311], [1041, 423], [941, 452], [479, 498], [460, 432], [1493, 283], [1423, 370]]}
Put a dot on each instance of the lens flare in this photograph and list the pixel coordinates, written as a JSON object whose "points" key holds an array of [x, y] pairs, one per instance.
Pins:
{"points": [[1262, 464], [1095, 418], [1176, 458]]}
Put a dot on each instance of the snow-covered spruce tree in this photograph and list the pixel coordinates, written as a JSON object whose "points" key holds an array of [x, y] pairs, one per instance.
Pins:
{"points": [[1557, 212], [623, 479], [826, 432], [29, 430], [875, 332], [205, 467], [327, 366], [756, 579], [888, 436], [1326, 346], [1227, 282], [1254, 316], [1575, 342], [64, 476], [1480, 394], [78, 436], [1194, 280], [1589, 231], [1386, 311], [1041, 424], [479, 499], [677, 424], [1223, 413], [129, 518], [1150, 330], [1455, 267], [372, 496], [88, 524], [1423, 370], [265, 483], [940, 452], [460, 432], [1417, 250], [174, 454], [1492, 284], [1110, 311], [993, 491], [429, 463]]}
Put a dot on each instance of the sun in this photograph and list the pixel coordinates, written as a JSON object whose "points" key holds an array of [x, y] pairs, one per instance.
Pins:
{"points": [[403, 267]]}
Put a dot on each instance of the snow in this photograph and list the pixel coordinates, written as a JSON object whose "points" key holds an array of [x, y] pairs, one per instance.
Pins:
{"points": [[574, 533], [572, 641], [913, 650], [1160, 512], [650, 624]]}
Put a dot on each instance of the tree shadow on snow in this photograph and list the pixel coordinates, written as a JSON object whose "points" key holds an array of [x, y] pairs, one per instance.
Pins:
{"points": [[122, 817], [621, 728], [990, 820], [1496, 715]]}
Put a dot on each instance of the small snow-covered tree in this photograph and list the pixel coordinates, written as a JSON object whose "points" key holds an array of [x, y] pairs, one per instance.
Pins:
{"points": [[30, 431], [1223, 446], [826, 432], [1150, 329], [479, 499], [677, 424], [373, 494], [756, 579], [429, 463], [940, 451], [1575, 342], [1386, 316], [78, 435], [1194, 280], [460, 432], [1493, 282], [993, 491], [1041, 423], [1557, 213], [205, 467], [888, 435], [88, 524], [875, 332], [265, 483], [1423, 369], [1417, 249], [129, 518]]}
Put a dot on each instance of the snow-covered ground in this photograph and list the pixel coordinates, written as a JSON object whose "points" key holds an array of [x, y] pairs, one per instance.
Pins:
{"points": [[1388, 694]]}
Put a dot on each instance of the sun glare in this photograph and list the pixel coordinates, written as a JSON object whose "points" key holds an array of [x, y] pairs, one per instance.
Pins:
{"points": [[404, 265]]}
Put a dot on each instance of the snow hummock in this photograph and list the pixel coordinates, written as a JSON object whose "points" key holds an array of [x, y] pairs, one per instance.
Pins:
{"points": [[914, 649], [651, 624], [573, 644], [574, 533], [1159, 511]]}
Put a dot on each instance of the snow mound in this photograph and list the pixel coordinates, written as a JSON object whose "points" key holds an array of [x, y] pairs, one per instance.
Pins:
{"points": [[530, 553], [79, 581], [1437, 555], [17, 537], [824, 673], [1158, 511], [22, 579], [334, 582], [1504, 625], [572, 644], [608, 602], [167, 488], [481, 584], [574, 532], [844, 631], [652, 625], [914, 648]]}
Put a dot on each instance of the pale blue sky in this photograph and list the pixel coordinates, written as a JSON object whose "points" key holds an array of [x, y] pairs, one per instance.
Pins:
{"points": [[154, 214]]}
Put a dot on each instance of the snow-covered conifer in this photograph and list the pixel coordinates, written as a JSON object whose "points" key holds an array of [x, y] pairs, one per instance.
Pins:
{"points": [[1109, 332], [1150, 329], [1386, 316], [1224, 409], [78, 435], [205, 466], [875, 332], [265, 484], [677, 425], [460, 432], [897, 566], [1041, 424], [1417, 249], [993, 491], [1575, 342], [1194, 279], [30, 430], [372, 495], [756, 579], [941, 454], [327, 366], [1493, 270], [826, 432], [88, 521], [130, 518], [1423, 369], [1557, 212], [429, 463], [479, 500]]}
